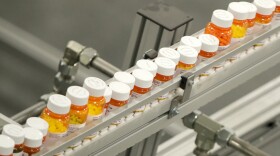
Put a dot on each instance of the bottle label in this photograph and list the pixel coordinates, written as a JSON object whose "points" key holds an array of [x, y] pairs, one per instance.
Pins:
{"points": [[277, 16], [74, 127], [18, 153], [250, 30], [223, 47], [135, 95], [57, 135], [178, 72], [26, 154], [95, 117]]}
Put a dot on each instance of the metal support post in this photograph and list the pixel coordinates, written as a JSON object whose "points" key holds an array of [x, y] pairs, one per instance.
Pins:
{"points": [[156, 26]]}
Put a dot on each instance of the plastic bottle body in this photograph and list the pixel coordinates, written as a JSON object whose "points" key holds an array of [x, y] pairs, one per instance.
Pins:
{"points": [[251, 23], [223, 34], [206, 54], [263, 19], [184, 66], [58, 123], [96, 107], [159, 79], [239, 28], [78, 117], [29, 151]]}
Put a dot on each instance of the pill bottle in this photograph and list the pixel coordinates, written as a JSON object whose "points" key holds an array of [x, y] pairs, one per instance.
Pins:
{"points": [[107, 95], [171, 53], [40, 124], [16, 133], [188, 58], [190, 41], [126, 78], [252, 10], [220, 26], [119, 99], [33, 139], [265, 9], [143, 84], [277, 10], [166, 70], [79, 110], [57, 115], [96, 88], [147, 65], [209, 46], [6, 145], [240, 23]]}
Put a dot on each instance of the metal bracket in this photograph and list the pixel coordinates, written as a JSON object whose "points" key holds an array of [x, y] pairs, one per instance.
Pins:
{"points": [[186, 84], [173, 111], [150, 54]]}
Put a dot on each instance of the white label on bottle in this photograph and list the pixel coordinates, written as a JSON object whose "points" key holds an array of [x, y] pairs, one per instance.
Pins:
{"points": [[276, 16], [250, 30], [57, 135], [26, 154], [74, 127], [95, 117], [223, 47], [18, 154]]}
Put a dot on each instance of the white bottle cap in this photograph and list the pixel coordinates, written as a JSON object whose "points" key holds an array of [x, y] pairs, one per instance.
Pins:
{"points": [[78, 95], [277, 2], [126, 78], [6, 145], [147, 65], [239, 11], [33, 138], [252, 9], [143, 78], [166, 66], [59, 104], [108, 94], [265, 7], [15, 132], [120, 91], [191, 41], [210, 43], [188, 54], [169, 53], [95, 86], [38, 123], [222, 18]]}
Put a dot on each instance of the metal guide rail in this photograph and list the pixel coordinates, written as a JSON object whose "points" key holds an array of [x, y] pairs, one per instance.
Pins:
{"points": [[119, 138]]}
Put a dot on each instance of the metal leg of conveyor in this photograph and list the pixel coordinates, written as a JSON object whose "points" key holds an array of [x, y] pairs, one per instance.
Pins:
{"points": [[147, 147]]}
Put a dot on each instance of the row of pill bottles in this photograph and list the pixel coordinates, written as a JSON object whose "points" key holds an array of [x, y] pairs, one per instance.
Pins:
{"points": [[27, 141]]}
